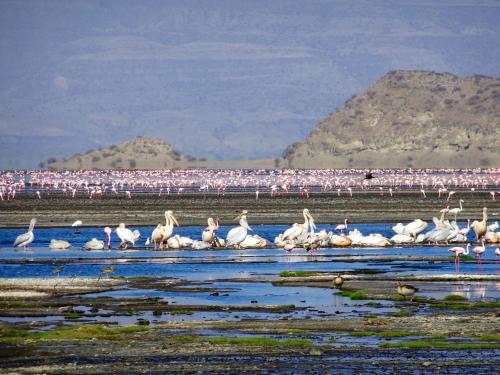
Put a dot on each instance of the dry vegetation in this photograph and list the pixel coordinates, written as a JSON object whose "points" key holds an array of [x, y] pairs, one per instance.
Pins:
{"points": [[409, 119], [138, 153]]}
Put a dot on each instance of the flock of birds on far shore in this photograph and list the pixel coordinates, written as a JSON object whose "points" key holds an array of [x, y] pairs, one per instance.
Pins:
{"points": [[96, 184], [298, 236]]}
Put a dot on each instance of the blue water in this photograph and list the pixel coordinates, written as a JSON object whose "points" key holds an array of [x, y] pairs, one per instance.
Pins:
{"points": [[219, 264]]}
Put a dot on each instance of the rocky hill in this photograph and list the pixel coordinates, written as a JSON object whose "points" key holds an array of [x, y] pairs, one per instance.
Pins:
{"points": [[138, 153], [409, 119]]}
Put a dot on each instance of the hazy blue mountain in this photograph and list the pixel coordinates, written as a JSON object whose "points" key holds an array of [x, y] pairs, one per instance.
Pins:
{"points": [[216, 79]]}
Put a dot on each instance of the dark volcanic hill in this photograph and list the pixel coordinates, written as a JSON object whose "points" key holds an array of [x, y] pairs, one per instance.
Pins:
{"points": [[409, 119], [138, 153]]}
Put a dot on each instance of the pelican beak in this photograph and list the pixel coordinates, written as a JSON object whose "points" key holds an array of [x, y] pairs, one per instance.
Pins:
{"points": [[174, 220], [237, 218]]}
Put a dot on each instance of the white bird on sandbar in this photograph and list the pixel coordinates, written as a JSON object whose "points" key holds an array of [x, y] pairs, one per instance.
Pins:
{"points": [[125, 235], [300, 230], [59, 244], [168, 229], [238, 234], [94, 244], [208, 235], [23, 240], [410, 229]]}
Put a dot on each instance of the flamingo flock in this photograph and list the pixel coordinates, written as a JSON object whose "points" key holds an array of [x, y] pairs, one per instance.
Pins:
{"points": [[95, 184]]}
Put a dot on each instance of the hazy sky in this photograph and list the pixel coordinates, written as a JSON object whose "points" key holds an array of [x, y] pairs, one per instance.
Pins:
{"points": [[216, 79]]}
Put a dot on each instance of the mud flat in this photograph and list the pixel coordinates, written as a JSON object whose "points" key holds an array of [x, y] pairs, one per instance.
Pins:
{"points": [[194, 208], [62, 334]]}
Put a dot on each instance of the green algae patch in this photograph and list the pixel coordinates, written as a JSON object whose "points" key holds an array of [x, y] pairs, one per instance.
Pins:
{"points": [[14, 304], [455, 297], [354, 295], [479, 305], [362, 333], [246, 341], [402, 313], [490, 338], [181, 312], [391, 334], [299, 273], [374, 304], [73, 316], [72, 332], [420, 344]]}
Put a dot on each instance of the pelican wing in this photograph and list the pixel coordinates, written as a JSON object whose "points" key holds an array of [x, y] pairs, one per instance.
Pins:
{"points": [[415, 227], [125, 234], [293, 232], [236, 235], [24, 239]]}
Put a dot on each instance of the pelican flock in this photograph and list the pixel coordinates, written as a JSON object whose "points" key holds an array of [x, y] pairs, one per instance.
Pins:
{"points": [[303, 235]]}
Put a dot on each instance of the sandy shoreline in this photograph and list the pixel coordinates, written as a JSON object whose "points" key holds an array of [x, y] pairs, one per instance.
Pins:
{"points": [[194, 209]]}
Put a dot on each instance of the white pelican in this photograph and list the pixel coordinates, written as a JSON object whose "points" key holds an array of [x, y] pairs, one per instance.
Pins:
{"points": [[479, 227], [493, 227], [238, 234], [157, 236], [23, 240], [340, 240], [299, 230], [401, 239], [411, 229], [355, 236], [208, 234], [94, 244], [125, 235], [168, 229], [253, 242], [375, 240], [59, 244], [200, 245], [176, 242]]}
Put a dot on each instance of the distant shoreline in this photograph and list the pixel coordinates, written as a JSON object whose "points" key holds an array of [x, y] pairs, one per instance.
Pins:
{"points": [[194, 209]]}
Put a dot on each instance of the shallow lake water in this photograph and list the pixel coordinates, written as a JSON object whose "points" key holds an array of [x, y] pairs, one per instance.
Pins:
{"points": [[233, 273]]}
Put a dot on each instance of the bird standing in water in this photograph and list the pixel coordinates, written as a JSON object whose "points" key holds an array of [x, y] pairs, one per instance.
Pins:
{"points": [[338, 281], [407, 290]]}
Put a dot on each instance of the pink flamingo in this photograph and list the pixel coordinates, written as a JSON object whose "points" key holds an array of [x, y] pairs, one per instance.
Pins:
{"points": [[457, 251], [478, 250], [108, 231], [342, 227]]}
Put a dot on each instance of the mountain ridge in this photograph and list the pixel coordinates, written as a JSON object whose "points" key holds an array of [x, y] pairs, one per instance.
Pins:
{"points": [[408, 118]]}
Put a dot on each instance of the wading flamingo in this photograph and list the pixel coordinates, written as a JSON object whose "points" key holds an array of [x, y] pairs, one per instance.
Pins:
{"points": [[457, 251], [478, 250]]}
